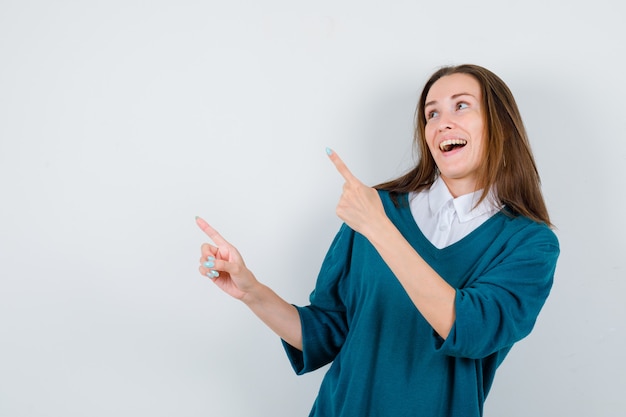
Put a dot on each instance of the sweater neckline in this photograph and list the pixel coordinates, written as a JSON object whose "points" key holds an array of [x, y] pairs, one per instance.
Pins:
{"points": [[415, 233]]}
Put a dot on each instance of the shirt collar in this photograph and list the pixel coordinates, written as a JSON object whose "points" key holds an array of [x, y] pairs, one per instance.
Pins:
{"points": [[439, 196]]}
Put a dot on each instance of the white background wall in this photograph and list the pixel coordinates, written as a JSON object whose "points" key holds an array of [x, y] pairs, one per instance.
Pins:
{"points": [[120, 121]]}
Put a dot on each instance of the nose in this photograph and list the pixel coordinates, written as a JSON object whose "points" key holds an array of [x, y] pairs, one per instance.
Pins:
{"points": [[444, 124], [445, 121]]}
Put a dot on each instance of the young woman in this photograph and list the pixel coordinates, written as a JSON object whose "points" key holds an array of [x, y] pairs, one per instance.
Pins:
{"points": [[433, 276]]}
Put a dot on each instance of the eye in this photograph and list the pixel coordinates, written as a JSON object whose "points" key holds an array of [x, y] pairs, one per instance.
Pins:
{"points": [[462, 105], [431, 114]]}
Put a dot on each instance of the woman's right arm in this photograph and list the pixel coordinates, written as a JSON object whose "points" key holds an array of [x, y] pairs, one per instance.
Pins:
{"points": [[225, 266]]}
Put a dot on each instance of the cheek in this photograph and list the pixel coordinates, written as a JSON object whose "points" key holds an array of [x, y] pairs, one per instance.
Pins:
{"points": [[431, 146], [477, 127], [479, 152], [429, 135]]}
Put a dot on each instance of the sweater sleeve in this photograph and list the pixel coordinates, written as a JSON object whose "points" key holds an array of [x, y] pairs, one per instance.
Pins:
{"points": [[501, 306], [324, 321]]}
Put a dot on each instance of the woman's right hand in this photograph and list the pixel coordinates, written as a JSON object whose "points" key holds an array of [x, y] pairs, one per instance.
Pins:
{"points": [[235, 279], [224, 265]]}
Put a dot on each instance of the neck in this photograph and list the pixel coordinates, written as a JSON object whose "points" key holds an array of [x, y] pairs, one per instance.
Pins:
{"points": [[459, 187]]}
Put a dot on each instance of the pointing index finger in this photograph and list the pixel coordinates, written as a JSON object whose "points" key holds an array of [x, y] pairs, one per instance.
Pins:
{"points": [[341, 166], [210, 231]]}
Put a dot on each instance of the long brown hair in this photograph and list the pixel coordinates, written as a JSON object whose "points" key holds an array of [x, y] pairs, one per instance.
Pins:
{"points": [[508, 169]]}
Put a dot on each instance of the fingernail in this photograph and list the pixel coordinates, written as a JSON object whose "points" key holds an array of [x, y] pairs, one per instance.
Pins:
{"points": [[209, 264], [212, 274], [210, 258], [329, 151]]}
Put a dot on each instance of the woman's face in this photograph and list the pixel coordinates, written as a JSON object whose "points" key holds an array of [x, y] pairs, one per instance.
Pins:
{"points": [[455, 131]]}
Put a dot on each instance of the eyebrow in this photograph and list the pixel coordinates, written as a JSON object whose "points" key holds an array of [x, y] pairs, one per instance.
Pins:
{"points": [[454, 96]]}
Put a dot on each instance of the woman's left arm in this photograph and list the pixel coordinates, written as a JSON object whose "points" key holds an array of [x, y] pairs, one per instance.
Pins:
{"points": [[360, 208]]}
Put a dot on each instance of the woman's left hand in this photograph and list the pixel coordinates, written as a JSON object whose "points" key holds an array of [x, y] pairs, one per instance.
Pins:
{"points": [[360, 206]]}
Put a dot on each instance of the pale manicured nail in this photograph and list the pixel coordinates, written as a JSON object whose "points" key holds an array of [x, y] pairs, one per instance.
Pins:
{"points": [[329, 151]]}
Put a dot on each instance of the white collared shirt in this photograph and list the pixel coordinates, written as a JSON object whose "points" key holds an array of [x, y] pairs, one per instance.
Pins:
{"points": [[445, 220]]}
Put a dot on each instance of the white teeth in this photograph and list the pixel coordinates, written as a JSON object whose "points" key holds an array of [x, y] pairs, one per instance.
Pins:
{"points": [[447, 144]]}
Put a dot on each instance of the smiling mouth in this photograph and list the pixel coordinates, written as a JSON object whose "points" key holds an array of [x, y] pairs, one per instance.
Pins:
{"points": [[450, 144]]}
